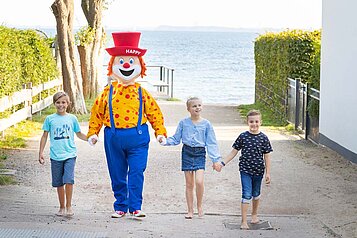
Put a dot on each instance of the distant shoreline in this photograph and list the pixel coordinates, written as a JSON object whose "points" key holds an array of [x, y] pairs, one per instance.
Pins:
{"points": [[171, 28]]}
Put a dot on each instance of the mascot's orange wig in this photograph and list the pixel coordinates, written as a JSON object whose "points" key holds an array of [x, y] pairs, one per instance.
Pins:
{"points": [[142, 63]]}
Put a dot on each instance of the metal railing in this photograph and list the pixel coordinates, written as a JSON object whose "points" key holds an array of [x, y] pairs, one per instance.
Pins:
{"points": [[300, 100], [268, 99], [296, 106], [159, 78], [165, 83]]}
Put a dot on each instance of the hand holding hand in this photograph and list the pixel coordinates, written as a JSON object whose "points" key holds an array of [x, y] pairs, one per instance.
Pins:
{"points": [[161, 139], [217, 166], [92, 140]]}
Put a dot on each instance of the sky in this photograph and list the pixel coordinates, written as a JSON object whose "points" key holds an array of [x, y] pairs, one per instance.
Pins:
{"points": [[125, 15]]}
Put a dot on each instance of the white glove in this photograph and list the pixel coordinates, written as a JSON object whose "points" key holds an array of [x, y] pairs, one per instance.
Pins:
{"points": [[161, 139], [91, 138]]}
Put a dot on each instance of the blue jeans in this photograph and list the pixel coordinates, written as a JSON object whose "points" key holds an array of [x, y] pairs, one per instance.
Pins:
{"points": [[251, 185]]}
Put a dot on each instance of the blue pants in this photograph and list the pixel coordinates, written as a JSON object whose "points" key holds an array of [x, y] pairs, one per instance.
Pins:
{"points": [[251, 185], [127, 152]]}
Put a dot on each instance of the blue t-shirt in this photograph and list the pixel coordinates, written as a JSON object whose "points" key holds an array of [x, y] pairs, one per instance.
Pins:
{"points": [[253, 147], [61, 130], [196, 135]]}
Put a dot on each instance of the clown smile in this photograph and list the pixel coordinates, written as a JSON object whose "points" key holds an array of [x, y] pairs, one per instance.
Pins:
{"points": [[126, 68], [126, 73]]}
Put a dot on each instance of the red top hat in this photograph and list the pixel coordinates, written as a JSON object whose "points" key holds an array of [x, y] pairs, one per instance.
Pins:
{"points": [[126, 44]]}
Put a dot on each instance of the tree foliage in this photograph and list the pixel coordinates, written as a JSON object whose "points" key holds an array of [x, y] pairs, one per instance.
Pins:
{"points": [[291, 53], [25, 57], [90, 42]]}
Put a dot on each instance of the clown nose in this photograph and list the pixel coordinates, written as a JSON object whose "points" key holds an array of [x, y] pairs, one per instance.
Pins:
{"points": [[126, 65]]}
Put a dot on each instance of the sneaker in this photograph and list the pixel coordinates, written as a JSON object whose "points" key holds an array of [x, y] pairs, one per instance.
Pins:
{"points": [[138, 213], [118, 214]]}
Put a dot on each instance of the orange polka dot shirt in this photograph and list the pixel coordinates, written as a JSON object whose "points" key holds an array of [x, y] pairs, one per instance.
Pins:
{"points": [[125, 104]]}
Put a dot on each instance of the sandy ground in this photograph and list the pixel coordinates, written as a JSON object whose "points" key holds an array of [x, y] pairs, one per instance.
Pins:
{"points": [[313, 191]]}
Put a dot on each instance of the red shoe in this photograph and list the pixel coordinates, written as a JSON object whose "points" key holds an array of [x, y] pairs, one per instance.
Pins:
{"points": [[118, 214], [138, 213]]}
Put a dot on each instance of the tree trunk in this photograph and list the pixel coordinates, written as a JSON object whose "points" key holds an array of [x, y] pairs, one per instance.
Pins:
{"points": [[72, 84], [84, 58], [91, 70]]}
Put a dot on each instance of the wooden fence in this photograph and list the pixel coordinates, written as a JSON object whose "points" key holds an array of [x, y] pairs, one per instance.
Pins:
{"points": [[164, 85], [25, 96]]}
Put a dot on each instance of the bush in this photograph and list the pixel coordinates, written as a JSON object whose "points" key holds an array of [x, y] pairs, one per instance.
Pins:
{"points": [[85, 36], [25, 57], [292, 53]]}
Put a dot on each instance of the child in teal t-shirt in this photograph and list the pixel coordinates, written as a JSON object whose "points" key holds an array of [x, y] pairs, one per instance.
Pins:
{"points": [[61, 127]]}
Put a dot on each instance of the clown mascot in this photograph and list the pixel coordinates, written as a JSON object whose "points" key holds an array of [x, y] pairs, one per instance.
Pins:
{"points": [[124, 107]]}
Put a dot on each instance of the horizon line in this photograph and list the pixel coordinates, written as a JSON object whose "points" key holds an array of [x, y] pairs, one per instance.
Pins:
{"points": [[177, 28]]}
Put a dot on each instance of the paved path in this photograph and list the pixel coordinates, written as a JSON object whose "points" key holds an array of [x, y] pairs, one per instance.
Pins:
{"points": [[313, 191]]}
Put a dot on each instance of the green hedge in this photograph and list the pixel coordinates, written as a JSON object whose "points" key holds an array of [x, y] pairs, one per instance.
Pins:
{"points": [[291, 53], [25, 57]]}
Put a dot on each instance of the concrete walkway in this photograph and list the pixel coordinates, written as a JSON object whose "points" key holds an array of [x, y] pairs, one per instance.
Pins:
{"points": [[312, 194]]}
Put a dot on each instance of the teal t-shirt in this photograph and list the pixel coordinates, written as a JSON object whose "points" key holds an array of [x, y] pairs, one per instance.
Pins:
{"points": [[61, 130]]}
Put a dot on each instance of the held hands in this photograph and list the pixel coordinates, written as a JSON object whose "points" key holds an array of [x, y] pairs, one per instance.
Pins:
{"points": [[92, 140], [217, 166], [161, 139]]}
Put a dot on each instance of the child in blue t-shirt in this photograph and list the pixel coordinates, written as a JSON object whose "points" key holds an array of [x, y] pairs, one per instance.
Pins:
{"points": [[61, 127], [197, 135], [253, 162]]}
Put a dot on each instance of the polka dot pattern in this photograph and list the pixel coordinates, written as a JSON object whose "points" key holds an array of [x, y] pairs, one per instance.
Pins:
{"points": [[125, 109], [253, 147]]}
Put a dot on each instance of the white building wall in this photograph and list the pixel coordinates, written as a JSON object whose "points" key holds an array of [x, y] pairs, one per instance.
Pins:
{"points": [[338, 86]]}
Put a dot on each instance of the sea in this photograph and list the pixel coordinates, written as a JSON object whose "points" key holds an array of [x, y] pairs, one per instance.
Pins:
{"points": [[217, 66]]}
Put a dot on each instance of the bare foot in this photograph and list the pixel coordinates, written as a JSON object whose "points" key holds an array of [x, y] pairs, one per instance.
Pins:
{"points": [[189, 215], [200, 213], [69, 212], [255, 219], [60, 212], [244, 226]]}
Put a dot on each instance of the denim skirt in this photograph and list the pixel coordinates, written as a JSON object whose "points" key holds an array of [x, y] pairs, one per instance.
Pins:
{"points": [[193, 158]]}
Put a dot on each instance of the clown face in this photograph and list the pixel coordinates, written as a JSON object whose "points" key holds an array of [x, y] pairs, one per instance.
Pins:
{"points": [[126, 69]]}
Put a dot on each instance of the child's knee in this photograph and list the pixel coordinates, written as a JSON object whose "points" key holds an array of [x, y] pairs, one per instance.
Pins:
{"points": [[199, 183], [256, 197], [246, 201], [246, 198], [189, 185]]}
